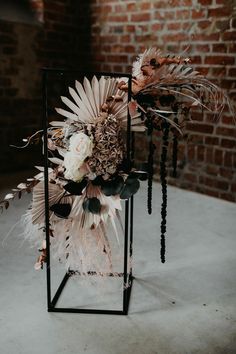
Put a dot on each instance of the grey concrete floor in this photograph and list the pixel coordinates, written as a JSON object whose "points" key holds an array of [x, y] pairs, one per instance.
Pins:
{"points": [[186, 305]]}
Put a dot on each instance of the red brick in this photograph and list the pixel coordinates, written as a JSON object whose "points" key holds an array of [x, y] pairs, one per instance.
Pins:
{"points": [[175, 37], [118, 18], [201, 153], [117, 58], [228, 159], [218, 157], [140, 17], [173, 26], [222, 185], [197, 116], [190, 177], [196, 59], [186, 26], [212, 170], [227, 84], [125, 38], [223, 25], [211, 193], [232, 47], [229, 132], [174, 3], [219, 12], [196, 138], [219, 48], [204, 24], [219, 60], [205, 2], [187, 2], [191, 152], [201, 128], [131, 7], [196, 14], [209, 181], [160, 4], [228, 120], [227, 196], [129, 49], [218, 71], [226, 173], [229, 36], [118, 68], [211, 140], [206, 37], [157, 26], [202, 48], [182, 14], [209, 155], [145, 6], [164, 15], [232, 72], [202, 70], [220, 2]]}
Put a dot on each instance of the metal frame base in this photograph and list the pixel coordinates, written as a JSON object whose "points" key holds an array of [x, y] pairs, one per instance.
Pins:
{"points": [[126, 299]]}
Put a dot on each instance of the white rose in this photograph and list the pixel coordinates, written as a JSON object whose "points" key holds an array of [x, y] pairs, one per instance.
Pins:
{"points": [[73, 167], [81, 146]]}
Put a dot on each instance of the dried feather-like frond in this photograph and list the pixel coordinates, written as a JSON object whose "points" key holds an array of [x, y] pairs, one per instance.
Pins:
{"points": [[17, 192], [155, 74]]}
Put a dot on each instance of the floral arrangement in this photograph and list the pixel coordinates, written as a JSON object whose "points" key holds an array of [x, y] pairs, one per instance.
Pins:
{"points": [[89, 173]]}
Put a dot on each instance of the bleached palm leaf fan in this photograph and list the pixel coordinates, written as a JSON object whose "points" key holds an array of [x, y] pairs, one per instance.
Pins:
{"points": [[92, 100]]}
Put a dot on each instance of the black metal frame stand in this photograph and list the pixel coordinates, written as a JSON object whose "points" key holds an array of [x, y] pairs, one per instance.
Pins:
{"points": [[128, 238]]}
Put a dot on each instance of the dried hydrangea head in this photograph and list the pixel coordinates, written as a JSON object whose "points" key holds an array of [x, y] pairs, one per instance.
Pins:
{"points": [[108, 150]]}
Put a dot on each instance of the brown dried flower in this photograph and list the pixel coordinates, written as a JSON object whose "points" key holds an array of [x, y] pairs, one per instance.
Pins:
{"points": [[108, 148]]}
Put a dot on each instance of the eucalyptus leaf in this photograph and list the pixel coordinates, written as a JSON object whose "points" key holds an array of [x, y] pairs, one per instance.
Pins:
{"points": [[86, 205], [130, 188], [113, 186], [75, 188], [92, 205], [98, 181], [61, 210]]}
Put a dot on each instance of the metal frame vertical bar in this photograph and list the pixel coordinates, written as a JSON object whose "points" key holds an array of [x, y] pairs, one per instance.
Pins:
{"points": [[127, 213], [45, 155]]}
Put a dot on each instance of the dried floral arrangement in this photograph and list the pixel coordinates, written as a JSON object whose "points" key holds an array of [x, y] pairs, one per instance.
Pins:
{"points": [[89, 175], [165, 89]]}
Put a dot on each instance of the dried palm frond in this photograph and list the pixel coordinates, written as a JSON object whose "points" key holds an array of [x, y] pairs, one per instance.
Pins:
{"points": [[156, 75], [57, 194]]}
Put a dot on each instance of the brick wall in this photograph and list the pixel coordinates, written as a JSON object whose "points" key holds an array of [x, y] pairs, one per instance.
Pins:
{"points": [[121, 29], [60, 41], [114, 31]]}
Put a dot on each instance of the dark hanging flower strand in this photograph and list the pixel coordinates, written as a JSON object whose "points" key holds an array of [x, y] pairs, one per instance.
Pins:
{"points": [[175, 151], [150, 165], [163, 174]]}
